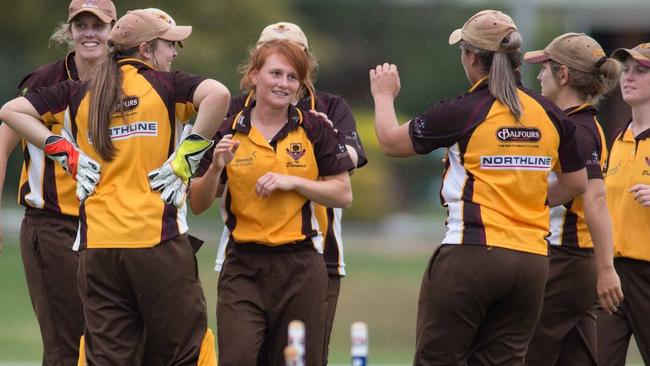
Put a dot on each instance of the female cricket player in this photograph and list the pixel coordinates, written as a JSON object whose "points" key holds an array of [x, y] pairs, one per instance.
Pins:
{"points": [[123, 147], [628, 198], [575, 75], [277, 162], [482, 292], [51, 219]]}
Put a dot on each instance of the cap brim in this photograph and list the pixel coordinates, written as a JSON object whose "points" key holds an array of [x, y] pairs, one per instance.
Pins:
{"points": [[623, 53], [177, 33], [536, 57], [96, 12], [456, 36]]}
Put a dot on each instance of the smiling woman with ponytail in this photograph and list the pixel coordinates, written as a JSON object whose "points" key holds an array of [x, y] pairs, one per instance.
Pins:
{"points": [[482, 291]]}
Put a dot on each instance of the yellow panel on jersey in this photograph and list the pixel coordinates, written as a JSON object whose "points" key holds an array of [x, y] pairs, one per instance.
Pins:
{"points": [[628, 165], [124, 212], [44, 184], [568, 225], [495, 181], [305, 149]]}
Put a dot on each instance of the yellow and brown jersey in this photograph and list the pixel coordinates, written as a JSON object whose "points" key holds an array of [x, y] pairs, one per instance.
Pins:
{"points": [[495, 181], [628, 165], [339, 112], [304, 147], [44, 184], [568, 225], [124, 212]]}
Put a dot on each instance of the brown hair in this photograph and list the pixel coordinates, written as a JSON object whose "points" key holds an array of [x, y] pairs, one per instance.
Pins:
{"points": [[501, 66], [592, 87], [106, 97], [297, 57]]}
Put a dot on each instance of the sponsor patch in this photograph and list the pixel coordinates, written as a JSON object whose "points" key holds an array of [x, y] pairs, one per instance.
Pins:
{"points": [[143, 128], [130, 103], [518, 134], [516, 162]]}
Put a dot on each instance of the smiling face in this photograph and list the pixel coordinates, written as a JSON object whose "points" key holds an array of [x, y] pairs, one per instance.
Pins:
{"points": [[635, 82], [163, 55], [89, 36], [276, 82]]}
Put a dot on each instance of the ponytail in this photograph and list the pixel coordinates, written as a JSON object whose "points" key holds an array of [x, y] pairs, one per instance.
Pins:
{"points": [[105, 99], [501, 66], [592, 87]]}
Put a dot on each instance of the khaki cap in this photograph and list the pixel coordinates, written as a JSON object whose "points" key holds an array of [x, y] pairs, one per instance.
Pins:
{"points": [[141, 26], [640, 53], [575, 50], [485, 29], [284, 30], [103, 9], [166, 17]]}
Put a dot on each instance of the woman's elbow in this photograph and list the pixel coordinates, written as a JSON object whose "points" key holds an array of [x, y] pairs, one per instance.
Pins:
{"points": [[346, 199]]}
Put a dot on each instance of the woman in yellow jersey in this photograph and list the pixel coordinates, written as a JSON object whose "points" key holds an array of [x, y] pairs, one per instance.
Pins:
{"points": [[276, 162], [119, 127], [482, 292], [628, 197], [52, 210], [575, 75]]}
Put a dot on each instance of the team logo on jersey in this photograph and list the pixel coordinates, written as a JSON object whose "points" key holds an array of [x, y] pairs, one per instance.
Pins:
{"points": [[341, 151], [130, 103], [516, 162], [518, 134], [143, 128], [296, 151], [245, 161]]}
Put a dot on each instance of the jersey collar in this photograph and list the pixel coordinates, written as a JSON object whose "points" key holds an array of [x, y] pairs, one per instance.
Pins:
{"points": [[71, 67], [584, 107], [242, 121]]}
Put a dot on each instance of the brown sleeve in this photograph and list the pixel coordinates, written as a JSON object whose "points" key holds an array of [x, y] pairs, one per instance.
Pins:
{"points": [[331, 155], [339, 112], [184, 87], [447, 122], [49, 101], [589, 149]]}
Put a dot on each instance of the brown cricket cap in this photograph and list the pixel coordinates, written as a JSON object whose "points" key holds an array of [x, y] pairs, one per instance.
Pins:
{"points": [[284, 30], [103, 9], [575, 50], [485, 29], [640, 53], [141, 26]]}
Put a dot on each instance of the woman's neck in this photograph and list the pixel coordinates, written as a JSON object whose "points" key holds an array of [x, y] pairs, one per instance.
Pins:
{"points": [[567, 98], [84, 66], [268, 120], [640, 118]]}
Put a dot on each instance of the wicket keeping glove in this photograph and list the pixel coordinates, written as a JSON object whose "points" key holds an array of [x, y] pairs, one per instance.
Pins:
{"points": [[75, 162], [172, 177]]}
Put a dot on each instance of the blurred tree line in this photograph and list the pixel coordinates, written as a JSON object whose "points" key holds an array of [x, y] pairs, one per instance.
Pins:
{"points": [[347, 36]]}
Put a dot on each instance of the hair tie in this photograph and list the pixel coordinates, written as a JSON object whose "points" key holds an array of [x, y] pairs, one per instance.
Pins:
{"points": [[601, 61]]}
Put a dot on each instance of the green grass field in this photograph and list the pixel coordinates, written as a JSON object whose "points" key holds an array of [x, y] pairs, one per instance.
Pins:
{"points": [[381, 288]]}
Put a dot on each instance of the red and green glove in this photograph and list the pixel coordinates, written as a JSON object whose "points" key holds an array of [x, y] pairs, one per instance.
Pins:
{"points": [[75, 162]]}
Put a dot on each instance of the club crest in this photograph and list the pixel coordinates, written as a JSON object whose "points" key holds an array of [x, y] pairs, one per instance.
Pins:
{"points": [[296, 151]]}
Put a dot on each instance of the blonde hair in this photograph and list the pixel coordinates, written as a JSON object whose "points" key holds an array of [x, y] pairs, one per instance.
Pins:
{"points": [[592, 87], [501, 66], [62, 37], [106, 97]]}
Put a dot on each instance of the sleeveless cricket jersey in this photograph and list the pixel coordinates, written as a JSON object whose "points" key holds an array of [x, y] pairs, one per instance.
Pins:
{"points": [[329, 219], [495, 180], [124, 212], [628, 165], [43, 183], [568, 225], [304, 147]]}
